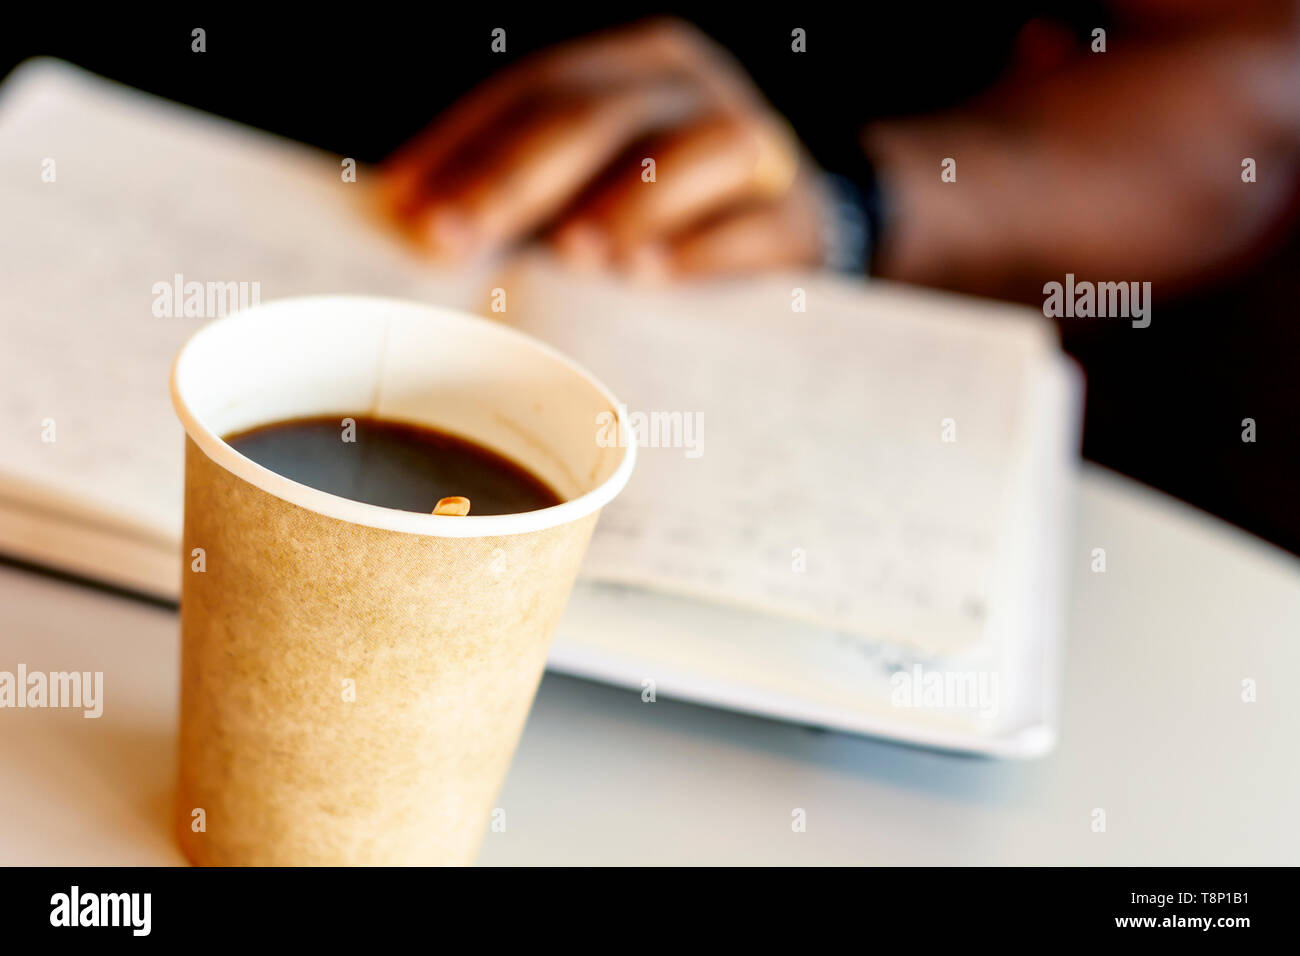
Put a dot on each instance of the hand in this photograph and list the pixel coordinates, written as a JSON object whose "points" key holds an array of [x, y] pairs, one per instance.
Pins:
{"points": [[556, 146]]}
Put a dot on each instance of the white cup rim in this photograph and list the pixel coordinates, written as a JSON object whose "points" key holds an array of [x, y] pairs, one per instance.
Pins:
{"points": [[376, 516]]}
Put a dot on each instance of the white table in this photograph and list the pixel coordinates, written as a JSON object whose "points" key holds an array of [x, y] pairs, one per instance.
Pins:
{"points": [[1155, 733]]}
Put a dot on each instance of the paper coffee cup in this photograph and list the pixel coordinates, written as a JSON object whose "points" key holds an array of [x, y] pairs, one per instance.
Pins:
{"points": [[354, 679]]}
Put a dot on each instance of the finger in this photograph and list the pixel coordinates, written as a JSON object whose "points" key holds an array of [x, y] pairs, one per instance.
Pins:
{"points": [[638, 53], [782, 234], [715, 163], [521, 178]]}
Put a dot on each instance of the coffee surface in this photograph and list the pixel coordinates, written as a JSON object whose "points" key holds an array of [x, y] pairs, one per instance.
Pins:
{"points": [[393, 464]]}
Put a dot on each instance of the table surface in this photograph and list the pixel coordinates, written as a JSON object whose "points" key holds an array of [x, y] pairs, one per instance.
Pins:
{"points": [[1155, 733]]}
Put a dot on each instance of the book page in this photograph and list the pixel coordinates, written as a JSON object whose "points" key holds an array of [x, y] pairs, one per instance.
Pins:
{"points": [[845, 465], [106, 192]]}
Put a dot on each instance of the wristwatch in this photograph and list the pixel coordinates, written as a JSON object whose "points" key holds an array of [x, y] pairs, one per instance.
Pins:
{"points": [[852, 217]]}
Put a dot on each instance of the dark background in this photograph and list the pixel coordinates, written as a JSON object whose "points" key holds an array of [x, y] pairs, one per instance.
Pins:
{"points": [[1164, 405]]}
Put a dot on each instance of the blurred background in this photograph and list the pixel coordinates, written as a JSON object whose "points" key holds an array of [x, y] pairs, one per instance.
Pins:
{"points": [[1122, 165]]}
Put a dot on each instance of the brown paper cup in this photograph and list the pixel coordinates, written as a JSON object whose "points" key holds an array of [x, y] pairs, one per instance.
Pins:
{"points": [[354, 679]]}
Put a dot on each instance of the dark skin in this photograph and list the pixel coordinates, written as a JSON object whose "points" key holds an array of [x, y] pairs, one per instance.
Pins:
{"points": [[1125, 163]]}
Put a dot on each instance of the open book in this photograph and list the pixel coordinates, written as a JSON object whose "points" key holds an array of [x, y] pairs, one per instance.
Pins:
{"points": [[850, 504]]}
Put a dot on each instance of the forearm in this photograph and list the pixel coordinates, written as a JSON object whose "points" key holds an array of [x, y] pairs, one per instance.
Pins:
{"points": [[1123, 164]]}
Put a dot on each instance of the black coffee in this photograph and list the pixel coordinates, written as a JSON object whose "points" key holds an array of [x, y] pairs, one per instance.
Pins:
{"points": [[392, 464]]}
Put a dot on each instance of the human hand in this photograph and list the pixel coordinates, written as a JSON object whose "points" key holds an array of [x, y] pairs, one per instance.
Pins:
{"points": [[557, 146]]}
